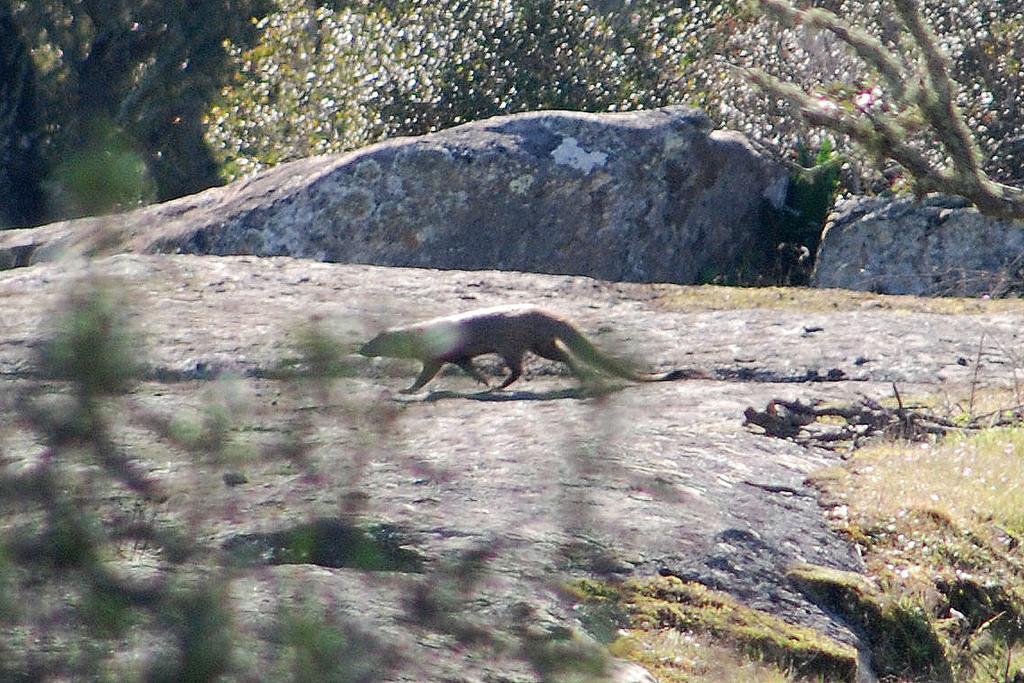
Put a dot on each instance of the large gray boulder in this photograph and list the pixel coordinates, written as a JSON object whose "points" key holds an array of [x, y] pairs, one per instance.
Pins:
{"points": [[938, 247], [640, 196]]}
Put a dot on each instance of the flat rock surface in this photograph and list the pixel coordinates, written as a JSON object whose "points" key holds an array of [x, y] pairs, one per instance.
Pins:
{"points": [[553, 482]]}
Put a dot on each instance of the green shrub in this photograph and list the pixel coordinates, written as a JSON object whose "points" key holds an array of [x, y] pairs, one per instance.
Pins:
{"points": [[328, 80], [92, 347]]}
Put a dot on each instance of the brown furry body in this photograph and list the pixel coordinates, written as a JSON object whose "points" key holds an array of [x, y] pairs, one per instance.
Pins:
{"points": [[509, 331]]}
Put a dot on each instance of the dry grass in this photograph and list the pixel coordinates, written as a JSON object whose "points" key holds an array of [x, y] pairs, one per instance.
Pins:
{"points": [[967, 479], [940, 525], [715, 298]]}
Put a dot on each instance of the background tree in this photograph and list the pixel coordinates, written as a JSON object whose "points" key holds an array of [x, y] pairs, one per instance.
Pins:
{"points": [[124, 92], [330, 77], [909, 112], [21, 163], [128, 81]]}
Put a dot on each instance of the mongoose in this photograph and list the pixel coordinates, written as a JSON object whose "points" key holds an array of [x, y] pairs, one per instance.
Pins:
{"points": [[509, 331]]}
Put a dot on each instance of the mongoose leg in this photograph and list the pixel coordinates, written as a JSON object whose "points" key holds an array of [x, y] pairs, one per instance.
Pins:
{"points": [[429, 371], [467, 365], [514, 362]]}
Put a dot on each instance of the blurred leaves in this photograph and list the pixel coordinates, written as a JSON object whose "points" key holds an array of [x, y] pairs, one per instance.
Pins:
{"points": [[104, 175], [93, 348], [318, 649], [201, 621], [84, 517]]}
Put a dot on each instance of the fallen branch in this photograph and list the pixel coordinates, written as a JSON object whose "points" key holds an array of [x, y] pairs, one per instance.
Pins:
{"points": [[801, 422]]}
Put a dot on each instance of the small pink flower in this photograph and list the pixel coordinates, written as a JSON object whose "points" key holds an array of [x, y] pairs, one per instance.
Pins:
{"points": [[868, 100]]}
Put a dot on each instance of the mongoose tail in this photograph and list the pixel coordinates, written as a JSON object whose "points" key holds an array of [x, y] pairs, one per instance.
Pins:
{"points": [[572, 341], [510, 332]]}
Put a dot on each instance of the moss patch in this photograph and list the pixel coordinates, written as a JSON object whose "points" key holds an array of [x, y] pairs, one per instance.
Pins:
{"points": [[650, 607], [903, 642], [676, 657]]}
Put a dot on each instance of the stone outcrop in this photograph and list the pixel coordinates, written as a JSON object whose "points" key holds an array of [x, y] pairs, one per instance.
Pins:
{"points": [[938, 247], [639, 196]]}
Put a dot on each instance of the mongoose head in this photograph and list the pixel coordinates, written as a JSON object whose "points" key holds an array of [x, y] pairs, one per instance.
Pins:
{"points": [[413, 342], [390, 344]]}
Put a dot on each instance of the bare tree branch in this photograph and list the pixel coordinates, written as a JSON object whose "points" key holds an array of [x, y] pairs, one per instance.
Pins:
{"points": [[929, 93]]}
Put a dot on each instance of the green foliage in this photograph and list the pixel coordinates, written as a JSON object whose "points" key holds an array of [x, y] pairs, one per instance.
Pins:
{"points": [[327, 80], [559, 654], [7, 598], [144, 592], [334, 76], [338, 76], [71, 540], [104, 175], [903, 640], [320, 354], [200, 619], [795, 231], [108, 612], [315, 646], [812, 191], [318, 650], [21, 163]]}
